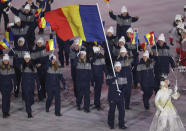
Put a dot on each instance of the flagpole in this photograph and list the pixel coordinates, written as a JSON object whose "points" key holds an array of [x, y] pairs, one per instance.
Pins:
{"points": [[108, 50]]}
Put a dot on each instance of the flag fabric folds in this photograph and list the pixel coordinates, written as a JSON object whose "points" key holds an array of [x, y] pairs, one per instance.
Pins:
{"points": [[38, 12], [3, 1], [9, 36], [76, 20], [4, 44], [50, 45], [42, 23], [144, 46], [150, 38], [134, 38], [107, 1]]}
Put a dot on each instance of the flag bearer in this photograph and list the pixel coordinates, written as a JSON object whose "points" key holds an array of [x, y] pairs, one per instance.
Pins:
{"points": [[98, 68], [83, 80], [74, 51], [41, 60], [53, 78], [163, 59], [29, 79], [145, 78], [8, 80], [124, 21], [126, 63], [115, 98]]}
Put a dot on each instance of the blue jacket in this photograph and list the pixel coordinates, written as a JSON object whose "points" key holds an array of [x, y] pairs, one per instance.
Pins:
{"points": [[123, 23], [83, 74], [98, 68], [40, 56], [164, 60], [113, 93], [53, 79], [29, 78], [145, 74], [7, 75], [126, 64]]}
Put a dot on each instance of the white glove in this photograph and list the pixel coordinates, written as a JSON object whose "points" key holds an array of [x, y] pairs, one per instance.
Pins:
{"points": [[10, 4], [10, 24], [176, 88], [160, 108]]}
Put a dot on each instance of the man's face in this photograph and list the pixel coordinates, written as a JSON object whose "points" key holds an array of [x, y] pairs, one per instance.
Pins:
{"points": [[29, 2], [121, 44], [27, 11], [124, 14], [20, 43], [123, 54], [117, 68], [82, 56], [109, 34], [39, 44]]}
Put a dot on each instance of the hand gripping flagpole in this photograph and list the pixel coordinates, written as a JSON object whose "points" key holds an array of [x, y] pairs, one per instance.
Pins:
{"points": [[108, 50]]}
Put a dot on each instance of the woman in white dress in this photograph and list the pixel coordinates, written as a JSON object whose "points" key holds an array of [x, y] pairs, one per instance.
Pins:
{"points": [[166, 117]]}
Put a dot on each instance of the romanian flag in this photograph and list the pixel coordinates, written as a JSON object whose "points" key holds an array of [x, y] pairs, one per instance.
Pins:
{"points": [[144, 46], [38, 12], [4, 44], [3, 1], [107, 1], [150, 38], [50, 45], [134, 38], [43, 23], [9, 36], [76, 21]]}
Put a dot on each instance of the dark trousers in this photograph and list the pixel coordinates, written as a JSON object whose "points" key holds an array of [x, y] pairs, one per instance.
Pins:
{"points": [[111, 113], [147, 93], [97, 93], [6, 95], [28, 92], [42, 90], [18, 78], [6, 19], [127, 94], [157, 79], [83, 92], [73, 75], [54, 93]]}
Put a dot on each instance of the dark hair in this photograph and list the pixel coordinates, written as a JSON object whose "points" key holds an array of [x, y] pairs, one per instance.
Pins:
{"points": [[3, 66], [148, 62], [29, 65]]}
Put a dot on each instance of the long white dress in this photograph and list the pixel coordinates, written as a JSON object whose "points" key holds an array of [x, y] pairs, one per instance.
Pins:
{"points": [[166, 117]]}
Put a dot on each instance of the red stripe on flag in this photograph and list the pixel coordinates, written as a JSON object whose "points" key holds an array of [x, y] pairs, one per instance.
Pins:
{"points": [[59, 23], [47, 46]]}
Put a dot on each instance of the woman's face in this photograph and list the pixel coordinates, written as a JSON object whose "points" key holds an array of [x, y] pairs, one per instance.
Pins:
{"points": [[39, 44], [27, 60], [53, 61], [82, 56], [6, 62], [20, 43], [109, 34], [123, 54]]}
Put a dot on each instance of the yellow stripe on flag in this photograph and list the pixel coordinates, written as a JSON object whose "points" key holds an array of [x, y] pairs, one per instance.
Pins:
{"points": [[72, 14], [3, 45], [7, 36]]}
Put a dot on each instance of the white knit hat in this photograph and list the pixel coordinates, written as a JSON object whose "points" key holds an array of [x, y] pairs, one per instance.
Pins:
{"points": [[52, 56], [96, 49], [117, 64], [77, 42], [27, 7], [178, 17], [130, 30], [6, 57], [83, 52], [123, 50], [184, 6], [110, 29], [40, 40], [17, 19], [124, 9], [161, 37], [27, 55], [122, 39], [146, 53], [21, 39]]}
